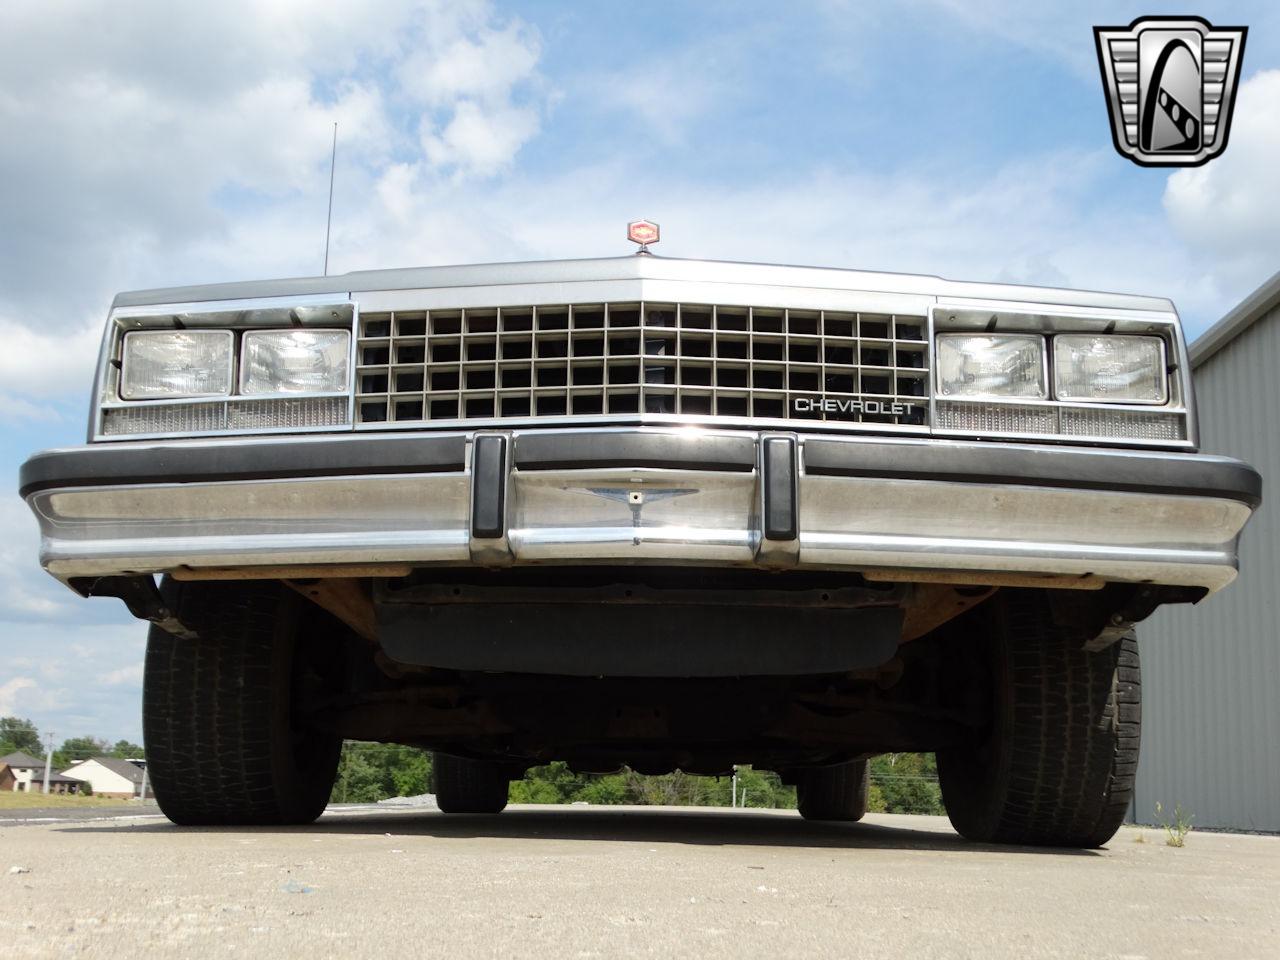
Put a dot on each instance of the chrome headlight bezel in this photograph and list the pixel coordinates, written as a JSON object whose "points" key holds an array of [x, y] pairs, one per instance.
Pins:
{"points": [[1057, 418], [231, 413]]}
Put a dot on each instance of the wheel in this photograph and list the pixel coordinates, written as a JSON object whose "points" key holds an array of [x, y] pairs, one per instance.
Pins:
{"points": [[224, 741], [469, 786], [1055, 765], [834, 793]]}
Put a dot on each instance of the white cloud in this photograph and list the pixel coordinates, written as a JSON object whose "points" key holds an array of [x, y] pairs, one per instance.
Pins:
{"points": [[26, 591], [480, 140], [95, 691], [486, 65], [34, 605], [40, 362], [1031, 221], [670, 94], [1227, 210], [130, 676], [9, 693], [19, 410], [136, 140], [1059, 31]]}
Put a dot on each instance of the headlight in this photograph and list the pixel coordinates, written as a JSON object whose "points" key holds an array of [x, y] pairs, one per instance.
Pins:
{"points": [[1109, 369], [991, 365], [294, 361], [176, 363]]}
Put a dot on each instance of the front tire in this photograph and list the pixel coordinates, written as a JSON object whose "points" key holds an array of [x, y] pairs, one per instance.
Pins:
{"points": [[837, 792], [469, 786], [1055, 765], [225, 743]]}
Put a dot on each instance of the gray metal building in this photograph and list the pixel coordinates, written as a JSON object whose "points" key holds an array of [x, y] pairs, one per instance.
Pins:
{"points": [[1211, 672]]}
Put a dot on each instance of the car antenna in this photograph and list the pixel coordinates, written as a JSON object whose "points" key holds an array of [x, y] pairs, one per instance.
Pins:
{"points": [[333, 160]]}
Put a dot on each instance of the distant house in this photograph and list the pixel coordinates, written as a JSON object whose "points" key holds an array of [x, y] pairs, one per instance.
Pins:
{"points": [[17, 770], [22, 772], [108, 776], [57, 783]]}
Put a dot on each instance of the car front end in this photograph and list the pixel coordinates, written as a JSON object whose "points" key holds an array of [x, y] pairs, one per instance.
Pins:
{"points": [[601, 481]]}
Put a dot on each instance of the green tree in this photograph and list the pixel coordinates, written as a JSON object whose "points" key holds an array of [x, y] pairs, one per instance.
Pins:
{"points": [[610, 789], [125, 750], [553, 783], [368, 772], [18, 734], [756, 788], [905, 783], [556, 783], [534, 790]]}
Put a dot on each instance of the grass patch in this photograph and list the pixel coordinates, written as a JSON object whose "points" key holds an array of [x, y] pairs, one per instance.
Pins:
{"points": [[14, 800]]}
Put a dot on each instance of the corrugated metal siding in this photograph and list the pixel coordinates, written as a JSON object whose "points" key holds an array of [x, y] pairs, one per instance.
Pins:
{"points": [[1211, 673]]}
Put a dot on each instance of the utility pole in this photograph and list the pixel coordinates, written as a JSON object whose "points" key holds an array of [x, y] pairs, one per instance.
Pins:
{"points": [[333, 162], [142, 795], [48, 761], [734, 787]]}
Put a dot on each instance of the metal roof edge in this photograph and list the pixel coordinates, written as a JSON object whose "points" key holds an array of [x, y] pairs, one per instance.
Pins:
{"points": [[1236, 321]]}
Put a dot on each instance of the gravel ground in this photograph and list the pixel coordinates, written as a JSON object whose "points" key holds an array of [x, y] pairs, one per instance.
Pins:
{"points": [[387, 882]]}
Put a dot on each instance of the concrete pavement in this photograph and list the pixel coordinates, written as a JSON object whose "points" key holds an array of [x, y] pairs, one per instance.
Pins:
{"points": [[610, 882]]}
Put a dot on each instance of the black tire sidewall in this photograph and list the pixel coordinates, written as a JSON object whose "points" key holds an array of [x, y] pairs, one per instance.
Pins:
{"points": [[211, 705]]}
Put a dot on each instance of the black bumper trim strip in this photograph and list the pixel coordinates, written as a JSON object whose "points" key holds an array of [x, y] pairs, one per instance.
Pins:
{"points": [[489, 487], [1167, 474], [111, 464], [778, 464]]}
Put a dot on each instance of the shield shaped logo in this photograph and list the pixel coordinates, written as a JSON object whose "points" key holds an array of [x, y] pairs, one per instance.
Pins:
{"points": [[643, 232], [1170, 84]]}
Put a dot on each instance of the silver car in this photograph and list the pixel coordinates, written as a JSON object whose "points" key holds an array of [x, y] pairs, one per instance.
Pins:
{"points": [[645, 511]]}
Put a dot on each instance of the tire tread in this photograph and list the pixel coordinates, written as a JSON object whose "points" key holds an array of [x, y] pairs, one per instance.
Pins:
{"points": [[1070, 721], [469, 786], [211, 711]]}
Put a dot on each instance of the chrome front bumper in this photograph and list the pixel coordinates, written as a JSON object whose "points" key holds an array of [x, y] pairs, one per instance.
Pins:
{"points": [[618, 496]]}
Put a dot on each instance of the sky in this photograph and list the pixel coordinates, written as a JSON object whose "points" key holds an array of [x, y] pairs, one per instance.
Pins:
{"points": [[155, 143]]}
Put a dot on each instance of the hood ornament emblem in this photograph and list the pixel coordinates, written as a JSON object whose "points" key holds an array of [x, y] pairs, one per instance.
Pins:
{"points": [[643, 232]]}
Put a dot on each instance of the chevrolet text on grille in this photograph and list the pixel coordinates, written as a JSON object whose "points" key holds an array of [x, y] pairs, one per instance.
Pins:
{"points": [[851, 406]]}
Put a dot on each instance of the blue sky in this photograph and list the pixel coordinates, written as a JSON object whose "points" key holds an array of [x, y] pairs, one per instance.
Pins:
{"points": [[161, 144]]}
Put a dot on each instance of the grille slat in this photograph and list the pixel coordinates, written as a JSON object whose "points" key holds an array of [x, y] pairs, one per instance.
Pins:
{"points": [[616, 359]]}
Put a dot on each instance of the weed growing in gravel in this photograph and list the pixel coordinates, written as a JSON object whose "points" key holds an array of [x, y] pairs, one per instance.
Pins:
{"points": [[1175, 832]]}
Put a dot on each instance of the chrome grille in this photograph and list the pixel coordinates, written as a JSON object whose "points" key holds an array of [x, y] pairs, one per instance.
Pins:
{"points": [[628, 359]]}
